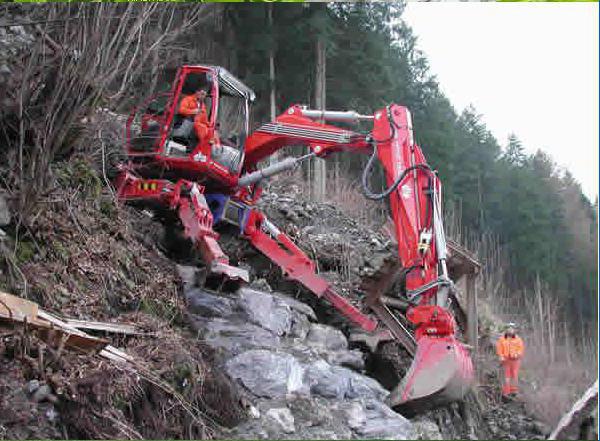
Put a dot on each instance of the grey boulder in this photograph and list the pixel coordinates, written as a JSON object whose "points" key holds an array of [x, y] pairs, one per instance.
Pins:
{"points": [[233, 338], [383, 423], [326, 337], [338, 382], [208, 305], [262, 309], [267, 374], [282, 417]]}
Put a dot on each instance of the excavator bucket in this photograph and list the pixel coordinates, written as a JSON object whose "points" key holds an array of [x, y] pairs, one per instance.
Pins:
{"points": [[441, 372]]}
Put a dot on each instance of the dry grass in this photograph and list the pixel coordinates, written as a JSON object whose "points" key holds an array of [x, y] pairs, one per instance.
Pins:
{"points": [[173, 392], [347, 196]]}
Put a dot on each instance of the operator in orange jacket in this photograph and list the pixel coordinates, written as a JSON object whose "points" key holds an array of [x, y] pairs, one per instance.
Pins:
{"points": [[193, 106], [510, 349]]}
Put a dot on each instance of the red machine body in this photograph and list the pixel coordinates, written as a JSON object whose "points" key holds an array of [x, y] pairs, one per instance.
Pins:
{"points": [[224, 167]]}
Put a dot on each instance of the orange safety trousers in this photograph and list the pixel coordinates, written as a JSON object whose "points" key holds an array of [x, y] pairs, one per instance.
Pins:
{"points": [[511, 375]]}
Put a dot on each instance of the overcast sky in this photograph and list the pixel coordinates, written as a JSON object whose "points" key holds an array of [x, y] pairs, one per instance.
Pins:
{"points": [[528, 68]]}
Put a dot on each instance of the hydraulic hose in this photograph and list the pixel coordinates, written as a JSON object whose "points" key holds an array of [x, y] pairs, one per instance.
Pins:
{"points": [[378, 196], [366, 172]]}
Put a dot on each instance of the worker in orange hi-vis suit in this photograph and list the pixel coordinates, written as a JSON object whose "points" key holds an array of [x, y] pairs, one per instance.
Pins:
{"points": [[510, 348], [194, 106]]}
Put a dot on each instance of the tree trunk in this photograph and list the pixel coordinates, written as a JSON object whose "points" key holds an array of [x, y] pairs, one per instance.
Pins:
{"points": [[567, 345], [273, 113], [538, 293], [320, 172]]}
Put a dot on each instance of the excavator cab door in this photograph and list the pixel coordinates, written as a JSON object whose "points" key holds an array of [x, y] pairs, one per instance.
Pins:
{"points": [[231, 130], [143, 130], [181, 138], [156, 127], [232, 121], [228, 110]]}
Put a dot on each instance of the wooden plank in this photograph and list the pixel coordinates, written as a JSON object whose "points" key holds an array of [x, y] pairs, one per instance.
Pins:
{"points": [[466, 258], [86, 343], [583, 406], [119, 353], [114, 354], [50, 332], [76, 338], [117, 328], [472, 314], [61, 324], [17, 308]]}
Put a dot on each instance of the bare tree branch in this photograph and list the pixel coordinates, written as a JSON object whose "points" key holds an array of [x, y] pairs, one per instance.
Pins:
{"points": [[84, 52]]}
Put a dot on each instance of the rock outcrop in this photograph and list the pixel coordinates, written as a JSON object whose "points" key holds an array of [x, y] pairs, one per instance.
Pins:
{"points": [[301, 379]]}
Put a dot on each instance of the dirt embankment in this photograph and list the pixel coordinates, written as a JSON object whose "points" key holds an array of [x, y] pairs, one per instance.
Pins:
{"points": [[84, 257]]}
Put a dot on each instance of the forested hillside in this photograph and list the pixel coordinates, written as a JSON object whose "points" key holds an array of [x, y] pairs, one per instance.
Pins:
{"points": [[538, 212]]}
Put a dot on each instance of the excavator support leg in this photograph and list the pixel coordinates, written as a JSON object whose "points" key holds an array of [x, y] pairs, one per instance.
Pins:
{"points": [[187, 200]]}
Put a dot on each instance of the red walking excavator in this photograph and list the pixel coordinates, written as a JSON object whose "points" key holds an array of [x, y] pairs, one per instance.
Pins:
{"points": [[214, 175]]}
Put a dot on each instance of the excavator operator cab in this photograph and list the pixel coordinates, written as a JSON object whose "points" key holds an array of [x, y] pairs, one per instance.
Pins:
{"points": [[199, 126]]}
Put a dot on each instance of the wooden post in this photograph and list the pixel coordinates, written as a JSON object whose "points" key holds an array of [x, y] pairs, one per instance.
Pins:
{"points": [[472, 318]]}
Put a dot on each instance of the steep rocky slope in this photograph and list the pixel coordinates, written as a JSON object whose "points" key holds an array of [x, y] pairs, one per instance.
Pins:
{"points": [[346, 252], [269, 361]]}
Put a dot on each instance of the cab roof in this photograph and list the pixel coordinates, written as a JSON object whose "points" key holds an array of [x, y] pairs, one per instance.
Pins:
{"points": [[230, 84]]}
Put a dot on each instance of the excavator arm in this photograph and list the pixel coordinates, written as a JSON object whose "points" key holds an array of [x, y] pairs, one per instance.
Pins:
{"points": [[413, 188], [442, 370], [297, 126]]}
